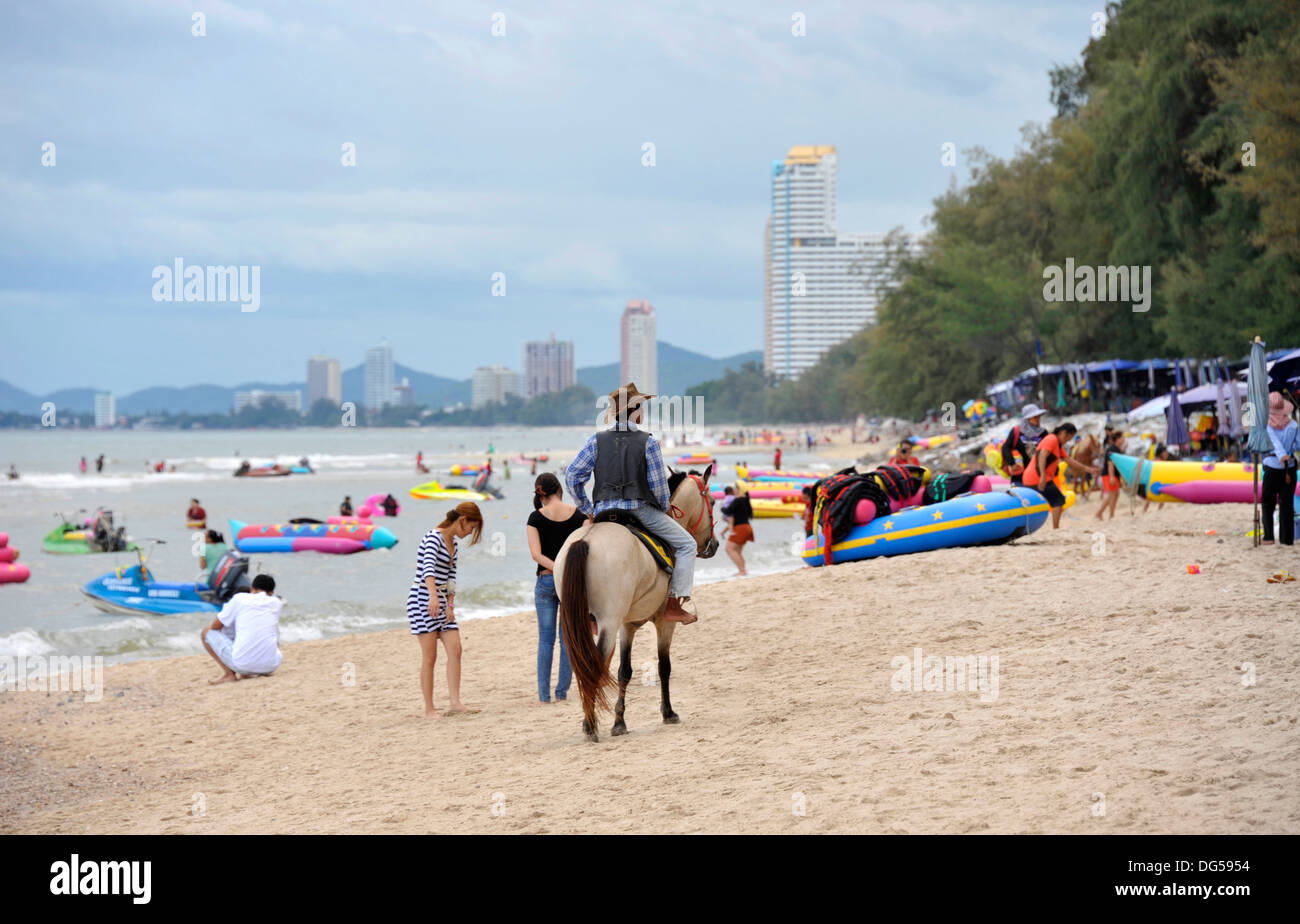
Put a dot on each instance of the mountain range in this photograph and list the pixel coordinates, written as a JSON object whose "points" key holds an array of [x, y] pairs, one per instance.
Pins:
{"points": [[679, 369]]}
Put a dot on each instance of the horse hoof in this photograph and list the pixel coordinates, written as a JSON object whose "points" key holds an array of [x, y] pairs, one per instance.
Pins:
{"points": [[618, 729], [592, 736], [672, 718]]}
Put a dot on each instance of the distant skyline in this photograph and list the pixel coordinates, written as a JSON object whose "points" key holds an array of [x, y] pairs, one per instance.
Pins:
{"points": [[475, 155]]}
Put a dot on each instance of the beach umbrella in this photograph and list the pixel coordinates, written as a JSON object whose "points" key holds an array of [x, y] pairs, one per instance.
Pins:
{"points": [[1234, 413], [1221, 407], [1256, 419], [1176, 434]]}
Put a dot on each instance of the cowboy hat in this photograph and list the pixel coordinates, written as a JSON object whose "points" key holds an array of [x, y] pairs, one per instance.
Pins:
{"points": [[625, 399]]}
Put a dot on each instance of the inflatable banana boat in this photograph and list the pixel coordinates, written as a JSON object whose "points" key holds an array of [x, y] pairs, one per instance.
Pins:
{"points": [[971, 519], [773, 508], [772, 474], [10, 571], [335, 538], [1188, 482]]}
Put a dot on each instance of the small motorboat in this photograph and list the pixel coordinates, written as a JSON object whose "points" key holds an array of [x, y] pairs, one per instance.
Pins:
{"points": [[246, 470], [135, 590]]}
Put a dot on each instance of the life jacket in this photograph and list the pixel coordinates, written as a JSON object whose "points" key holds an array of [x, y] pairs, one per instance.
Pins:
{"points": [[945, 486], [838, 497], [1013, 447], [1054, 462], [899, 482]]}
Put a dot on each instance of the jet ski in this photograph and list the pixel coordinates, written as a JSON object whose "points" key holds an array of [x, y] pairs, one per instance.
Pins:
{"points": [[482, 485], [136, 590], [94, 534]]}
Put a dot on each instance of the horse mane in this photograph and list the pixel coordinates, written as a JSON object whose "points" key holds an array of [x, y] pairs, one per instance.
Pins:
{"points": [[676, 478]]}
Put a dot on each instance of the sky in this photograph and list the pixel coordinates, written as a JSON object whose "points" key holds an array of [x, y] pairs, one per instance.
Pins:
{"points": [[475, 154]]}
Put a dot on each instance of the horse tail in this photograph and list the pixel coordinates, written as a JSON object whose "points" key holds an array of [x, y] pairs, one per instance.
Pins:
{"points": [[588, 667]]}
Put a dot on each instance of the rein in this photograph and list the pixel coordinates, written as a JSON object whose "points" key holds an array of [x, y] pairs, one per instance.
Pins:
{"points": [[677, 513]]}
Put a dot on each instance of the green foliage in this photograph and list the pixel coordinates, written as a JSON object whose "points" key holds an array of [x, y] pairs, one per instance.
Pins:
{"points": [[1143, 166]]}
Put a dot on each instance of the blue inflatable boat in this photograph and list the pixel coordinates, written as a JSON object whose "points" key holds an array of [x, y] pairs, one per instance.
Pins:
{"points": [[972, 519]]}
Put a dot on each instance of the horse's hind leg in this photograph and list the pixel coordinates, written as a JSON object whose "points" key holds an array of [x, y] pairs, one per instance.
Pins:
{"points": [[624, 675], [665, 632]]}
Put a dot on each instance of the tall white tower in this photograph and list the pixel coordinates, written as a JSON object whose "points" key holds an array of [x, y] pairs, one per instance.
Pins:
{"points": [[640, 350]]}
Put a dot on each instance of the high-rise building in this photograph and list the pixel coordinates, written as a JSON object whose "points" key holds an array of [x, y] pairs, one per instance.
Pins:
{"points": [[821, 286], [379, 376], [404, 394], [105, 410], [640, 349], [291, 400], [492, 385], [324, 380], [548, 366]]}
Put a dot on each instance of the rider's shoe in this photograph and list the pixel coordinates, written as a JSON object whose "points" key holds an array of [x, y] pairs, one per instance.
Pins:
{"points": [[681, 609]]}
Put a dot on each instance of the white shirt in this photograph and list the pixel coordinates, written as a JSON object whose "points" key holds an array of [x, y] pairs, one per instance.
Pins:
{"points": [[255, 619]]}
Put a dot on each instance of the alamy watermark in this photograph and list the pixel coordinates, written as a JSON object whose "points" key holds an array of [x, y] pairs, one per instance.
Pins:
{"points": [[681, 416], [181, 283], [1098, 284], [933, 674], [57, 674]]}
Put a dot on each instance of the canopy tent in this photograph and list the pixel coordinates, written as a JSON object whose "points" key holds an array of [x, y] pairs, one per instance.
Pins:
{"points": [[1285, 370], [1202, 394]]}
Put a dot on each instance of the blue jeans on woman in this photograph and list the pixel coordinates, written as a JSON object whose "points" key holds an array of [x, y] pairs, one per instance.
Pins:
{"points": [[548, 606]]}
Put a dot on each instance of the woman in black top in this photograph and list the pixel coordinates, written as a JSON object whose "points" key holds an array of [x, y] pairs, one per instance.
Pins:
{"points": [[738, 530], [549, 525]]}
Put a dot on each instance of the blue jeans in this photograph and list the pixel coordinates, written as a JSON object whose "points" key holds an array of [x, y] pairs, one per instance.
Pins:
{"points": [[683, 543], [548, 605]]}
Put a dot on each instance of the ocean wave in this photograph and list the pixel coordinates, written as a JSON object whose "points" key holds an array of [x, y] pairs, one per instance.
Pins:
{"points": [[23, 643]]}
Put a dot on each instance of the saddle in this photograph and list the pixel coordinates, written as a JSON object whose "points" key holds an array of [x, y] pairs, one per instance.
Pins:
{"points": [[662, 554]]}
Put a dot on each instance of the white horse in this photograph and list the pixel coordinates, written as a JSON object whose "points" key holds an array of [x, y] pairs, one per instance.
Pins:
{"points": [[604, 571]]}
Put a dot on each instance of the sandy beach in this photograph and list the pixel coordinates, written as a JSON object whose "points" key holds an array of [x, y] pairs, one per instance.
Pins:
{"points": [[1120, 707]]}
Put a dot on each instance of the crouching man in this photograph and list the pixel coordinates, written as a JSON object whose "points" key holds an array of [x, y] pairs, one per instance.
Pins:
{"points": [[245, 637]]}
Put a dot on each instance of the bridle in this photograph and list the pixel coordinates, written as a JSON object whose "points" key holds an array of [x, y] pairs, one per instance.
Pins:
{"points": [[677, 513]]}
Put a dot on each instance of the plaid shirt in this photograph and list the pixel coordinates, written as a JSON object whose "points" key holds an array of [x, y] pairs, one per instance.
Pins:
{"points": [[579, 470]]}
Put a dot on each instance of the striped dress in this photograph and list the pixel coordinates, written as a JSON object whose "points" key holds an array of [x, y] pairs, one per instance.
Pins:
{"points": [[437, 561]]}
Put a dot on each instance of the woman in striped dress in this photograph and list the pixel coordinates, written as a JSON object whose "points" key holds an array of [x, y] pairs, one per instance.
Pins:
{"points": [[431, 603]]}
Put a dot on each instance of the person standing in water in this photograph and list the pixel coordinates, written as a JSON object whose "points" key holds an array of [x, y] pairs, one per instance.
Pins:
{"points": [[549, 525], [738, 530], [345, 508], [99, 464], [83, 465], [431, 602]]}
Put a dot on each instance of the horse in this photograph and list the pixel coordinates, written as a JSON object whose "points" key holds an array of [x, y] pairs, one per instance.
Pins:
{"points": [[603, 571], [1084, 453]]}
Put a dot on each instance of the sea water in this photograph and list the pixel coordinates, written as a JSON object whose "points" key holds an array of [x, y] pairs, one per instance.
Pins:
{"points": [[325, 595]]}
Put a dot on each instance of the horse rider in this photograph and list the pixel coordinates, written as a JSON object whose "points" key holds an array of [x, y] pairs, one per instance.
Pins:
{"points": [[630, 475]]}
